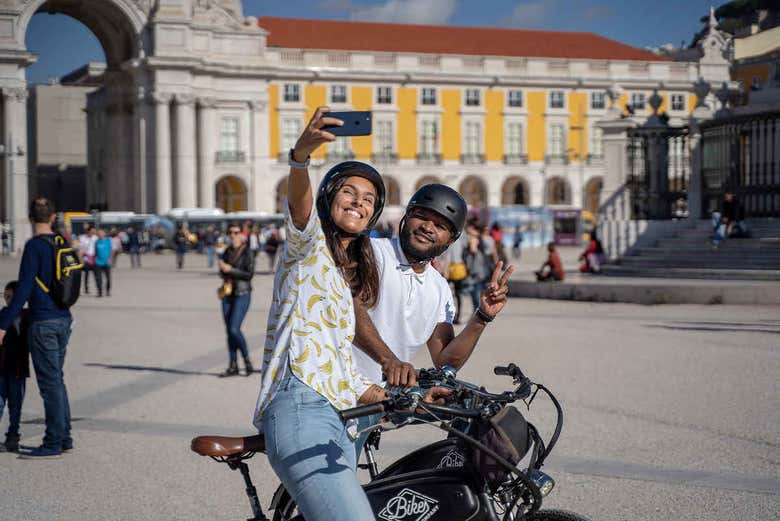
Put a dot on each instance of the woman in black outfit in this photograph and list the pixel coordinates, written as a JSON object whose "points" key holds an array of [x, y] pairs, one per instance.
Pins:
{"points": [[236, 267]]}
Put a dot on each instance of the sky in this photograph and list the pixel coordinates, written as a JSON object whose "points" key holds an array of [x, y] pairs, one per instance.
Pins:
{"points": [[64, 44]]}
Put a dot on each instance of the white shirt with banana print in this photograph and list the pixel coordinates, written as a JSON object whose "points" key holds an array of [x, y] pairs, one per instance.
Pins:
{"points": [[311, 323]]}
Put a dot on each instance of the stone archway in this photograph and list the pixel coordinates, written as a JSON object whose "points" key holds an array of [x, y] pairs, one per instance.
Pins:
{"points": [[592, 196], [145, 152], [558, 191], [281, 195], [393, 191], [515, 191], [426, 180], [231, 194], [474, 191]]}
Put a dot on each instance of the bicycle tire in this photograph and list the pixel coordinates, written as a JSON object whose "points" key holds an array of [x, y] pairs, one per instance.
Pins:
{"points": [[285, 509], [555, 515]]}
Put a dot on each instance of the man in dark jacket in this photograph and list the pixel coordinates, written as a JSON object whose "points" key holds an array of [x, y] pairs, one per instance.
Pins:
{"points": [[14, 370], [50, 328]]}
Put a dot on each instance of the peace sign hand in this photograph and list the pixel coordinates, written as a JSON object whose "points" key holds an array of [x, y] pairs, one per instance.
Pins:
{"points": [[493, 297], [313, 136]]}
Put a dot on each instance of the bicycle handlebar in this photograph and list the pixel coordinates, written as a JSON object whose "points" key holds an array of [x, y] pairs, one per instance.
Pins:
{"points": [[364, 410]]}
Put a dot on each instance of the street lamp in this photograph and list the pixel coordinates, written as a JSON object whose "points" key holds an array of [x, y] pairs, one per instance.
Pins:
{"points": [[7, 154]]}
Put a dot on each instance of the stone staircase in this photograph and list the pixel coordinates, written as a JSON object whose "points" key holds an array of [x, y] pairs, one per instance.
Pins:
{"points": [[688, 254]]}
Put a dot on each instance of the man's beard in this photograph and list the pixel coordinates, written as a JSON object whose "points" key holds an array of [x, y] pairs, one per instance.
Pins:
{"points": [[415, 253]]}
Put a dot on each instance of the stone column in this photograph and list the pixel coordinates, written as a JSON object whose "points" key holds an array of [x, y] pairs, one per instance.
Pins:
{"points": [[701, 113], [140, 151], [186, 192], [162, 129], [615, 204], [206, 152], [262, 191], [15, 142]]}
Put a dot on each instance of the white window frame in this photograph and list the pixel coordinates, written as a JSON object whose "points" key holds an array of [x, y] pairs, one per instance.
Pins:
{"points": [[377, 142], [422, 123], [379, 89], [509, 93], [638, 95], [287, 139], [466, 98], [594, 95], [435, 92], [550, 99], [509, 145], [681, 97], [346, 94], [284, 92], [222, 134], [558, 152], [473, 145]]}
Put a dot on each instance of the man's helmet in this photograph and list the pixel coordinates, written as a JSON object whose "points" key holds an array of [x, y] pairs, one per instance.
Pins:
{"points": [[443, 200], [330, 182]]}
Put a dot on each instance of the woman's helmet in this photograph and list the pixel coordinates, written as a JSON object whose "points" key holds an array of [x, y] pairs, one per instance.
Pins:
{"points": [[443, 200], [330, 183]]}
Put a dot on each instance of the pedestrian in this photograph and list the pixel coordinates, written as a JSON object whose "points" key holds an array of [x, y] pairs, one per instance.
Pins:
{"points": [[723, 222], [456, 272], [210, 244], [50, 329], [14, 370], [87, 243], [271, 247], [236, 267], [478, 257], [116, 246], [308, 370], [593, 257], [103, 254], [497, 234], [180, 240], [517, 242], [552, 269], [254, 241], [134, 247]]}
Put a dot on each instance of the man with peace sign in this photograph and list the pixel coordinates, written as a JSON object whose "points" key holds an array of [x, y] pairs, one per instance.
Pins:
{"points": [[415, 307]]}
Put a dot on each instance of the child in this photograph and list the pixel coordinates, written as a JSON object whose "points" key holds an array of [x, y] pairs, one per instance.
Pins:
{"points": [[14, 369]]}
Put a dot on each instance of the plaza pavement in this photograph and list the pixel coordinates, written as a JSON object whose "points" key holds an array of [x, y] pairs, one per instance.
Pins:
{"points": [[672, 412]]}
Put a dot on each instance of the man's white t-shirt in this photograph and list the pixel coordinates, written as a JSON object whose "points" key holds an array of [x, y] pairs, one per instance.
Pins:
{"points": [[87, 244], [409, 307]]}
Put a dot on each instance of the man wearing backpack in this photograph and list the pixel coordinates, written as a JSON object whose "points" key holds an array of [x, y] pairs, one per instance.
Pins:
{"points": [[50, 328]]}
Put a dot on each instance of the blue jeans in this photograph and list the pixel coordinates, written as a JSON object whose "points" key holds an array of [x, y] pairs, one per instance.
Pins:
{"points": [[233, 312], [309, 449], [12, 392], [210, 253], [48, 343], [475, 290]]}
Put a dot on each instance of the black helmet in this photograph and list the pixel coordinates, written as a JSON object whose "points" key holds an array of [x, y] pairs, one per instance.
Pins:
{"points": [[443, 200], [329, 183]]}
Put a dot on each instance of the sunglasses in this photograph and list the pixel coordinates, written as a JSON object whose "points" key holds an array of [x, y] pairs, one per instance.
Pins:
{"points": [[235, 233]]}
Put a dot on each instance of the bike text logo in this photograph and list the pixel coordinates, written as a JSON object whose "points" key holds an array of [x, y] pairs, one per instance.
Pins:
{"points": [[409, 506], [452, 459]]}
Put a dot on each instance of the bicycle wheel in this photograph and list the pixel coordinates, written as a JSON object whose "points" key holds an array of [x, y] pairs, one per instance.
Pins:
{"points": [[555, 515]]}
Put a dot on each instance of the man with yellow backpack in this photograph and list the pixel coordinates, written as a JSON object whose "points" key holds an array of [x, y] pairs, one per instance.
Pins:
{"points": [[49, 281]]}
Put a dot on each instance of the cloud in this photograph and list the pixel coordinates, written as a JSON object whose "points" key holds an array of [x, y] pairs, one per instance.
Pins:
{"points": [[529, 14], [432, 12]]}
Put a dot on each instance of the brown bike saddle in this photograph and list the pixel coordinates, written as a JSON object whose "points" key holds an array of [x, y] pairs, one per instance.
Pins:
{"points": [[226, 447]]}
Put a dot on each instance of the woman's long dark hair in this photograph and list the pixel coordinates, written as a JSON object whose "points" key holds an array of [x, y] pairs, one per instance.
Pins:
{"points": [[357, 262]]}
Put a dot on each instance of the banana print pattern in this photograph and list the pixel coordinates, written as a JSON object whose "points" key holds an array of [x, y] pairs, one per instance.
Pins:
{"points": [[311, 323]]}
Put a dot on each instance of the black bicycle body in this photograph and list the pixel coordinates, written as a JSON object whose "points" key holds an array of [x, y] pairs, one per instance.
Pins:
{"points": [[440, 481]]}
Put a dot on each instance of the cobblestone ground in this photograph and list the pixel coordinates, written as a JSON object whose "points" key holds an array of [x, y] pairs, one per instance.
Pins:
{"points": [[671, 411]]}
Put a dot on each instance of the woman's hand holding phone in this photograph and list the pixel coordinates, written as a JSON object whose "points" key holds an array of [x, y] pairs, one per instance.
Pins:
{"points": [[313, 136]]}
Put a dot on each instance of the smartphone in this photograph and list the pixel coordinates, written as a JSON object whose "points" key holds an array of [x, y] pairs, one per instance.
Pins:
{"points": [[356, 123]]}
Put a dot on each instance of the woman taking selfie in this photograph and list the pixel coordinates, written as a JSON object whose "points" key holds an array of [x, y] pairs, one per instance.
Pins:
{"points": [[308, 372], [236, 267]]}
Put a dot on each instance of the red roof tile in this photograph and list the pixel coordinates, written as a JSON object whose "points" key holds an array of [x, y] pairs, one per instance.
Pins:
{"points": [[299, 33]]}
